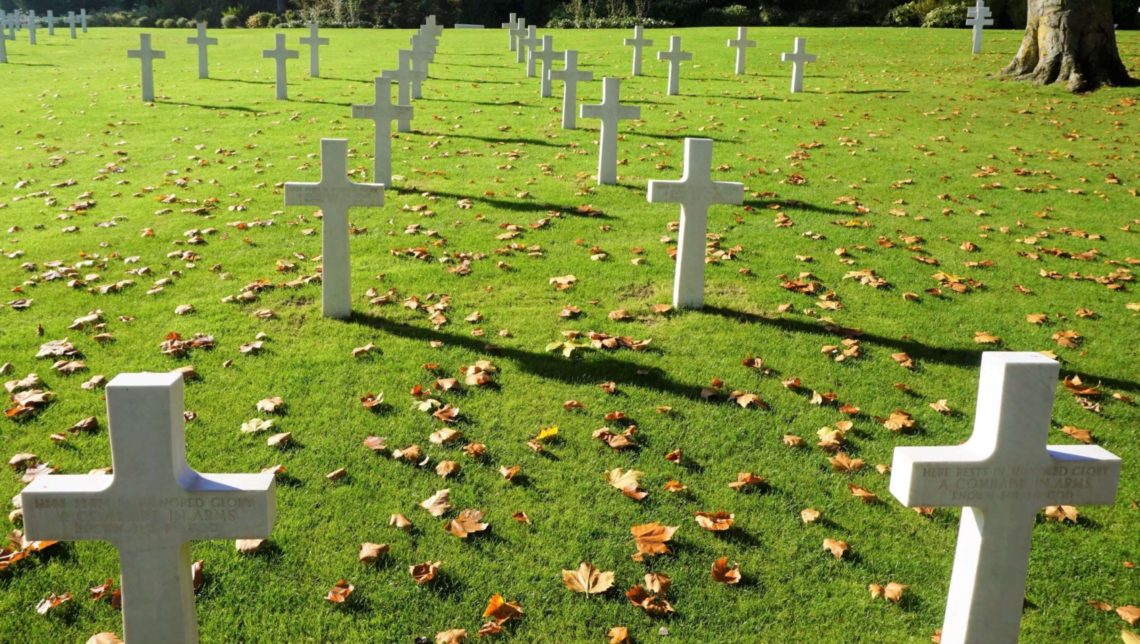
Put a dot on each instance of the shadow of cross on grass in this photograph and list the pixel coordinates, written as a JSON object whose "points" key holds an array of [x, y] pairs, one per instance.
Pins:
{"points": [[970, 358], [588, 370]]}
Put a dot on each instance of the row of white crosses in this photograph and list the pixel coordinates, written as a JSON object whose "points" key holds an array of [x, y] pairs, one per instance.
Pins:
{"points": [[335, 194], [12, 22], [153, 504]]}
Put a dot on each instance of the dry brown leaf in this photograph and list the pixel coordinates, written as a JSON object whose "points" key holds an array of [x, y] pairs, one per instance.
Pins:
{"points": [[1062, 513], [809, 515], [654, 605], [1082, 435], [51, 601], [249, 546], [501, 610], [400, 522], [104, 638], [437, 504], [618, 635], [340, 592], [837, 548], [371, 552], [746, 480], [467, 523], [1130, 614], [651, 539], [453, 636], [588, 579], [723, 573], [863, 494], [425, 572], [715, 521]]}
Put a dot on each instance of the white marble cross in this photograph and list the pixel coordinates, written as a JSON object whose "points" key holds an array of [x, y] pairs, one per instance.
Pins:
{"points": [[512, 35], [404, 76], [520, 32], [383, 112], [147, 56], [530, 43], [203, 42], [50, 22], [335, 194], [979, 17], [637, 42], [547, 56], [799, 59], [32, 25], [432, 27], [570, 76], [610, 111], [3, 46], [422, 54], [151, 507], [1002, 476], [83, 19], [71, 23], [742, 45], [675, 56], [314, 41], [696, 191], [280, 55]]}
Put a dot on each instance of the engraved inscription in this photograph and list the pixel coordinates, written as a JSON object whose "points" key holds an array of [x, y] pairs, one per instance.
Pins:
{"points": [[985, 483], [100, 518]]}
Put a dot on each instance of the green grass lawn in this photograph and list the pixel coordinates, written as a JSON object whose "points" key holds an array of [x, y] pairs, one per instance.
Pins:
{"points": [[902, 147]]}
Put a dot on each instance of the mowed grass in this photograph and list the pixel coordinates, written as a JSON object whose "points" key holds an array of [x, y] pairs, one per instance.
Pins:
{"points": [[891, 139]]}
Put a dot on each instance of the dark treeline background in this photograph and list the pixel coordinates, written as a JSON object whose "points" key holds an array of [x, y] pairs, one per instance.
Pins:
{"points": [[553, 13]]}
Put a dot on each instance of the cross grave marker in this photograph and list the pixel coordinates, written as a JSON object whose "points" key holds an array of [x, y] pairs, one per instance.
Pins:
{"points": [[520, 32], [151, 507], [799, 58], [1001, 477], [403, 76], [696, 191], [50, 22], [334, 194], [314, 41], [71, 24], [203, 42], [637, 42], [512, 35], [530, 43], [675, 56], [83, 19], [611, 112], [979, 17], [547, 56], [280, 55], [570, 76], [383, 112], [146, 56], [32, 25], [742, 45]]}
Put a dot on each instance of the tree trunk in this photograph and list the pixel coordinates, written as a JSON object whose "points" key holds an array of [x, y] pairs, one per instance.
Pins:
{"points": [[1070, 41]]}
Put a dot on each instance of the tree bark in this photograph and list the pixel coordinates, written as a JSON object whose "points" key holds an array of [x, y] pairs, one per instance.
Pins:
{"points": [[1072, 42]]}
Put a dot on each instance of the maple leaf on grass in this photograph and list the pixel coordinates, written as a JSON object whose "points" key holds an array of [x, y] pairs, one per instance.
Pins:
{"points": [[653, 605], [618, 635], [400, 522], [453, 636], [658, 583], [841, 462], [724, 573], [371, 552], [51, 602], [340, 592], [502, 611], [1130, 614], [715, 521], [746, 480], [467, 523], [437, 504], [837, 548], [628, 482], [863, 494], [651, 539], [892, 592], [1062, 514], [588, 579], [424, 572]]}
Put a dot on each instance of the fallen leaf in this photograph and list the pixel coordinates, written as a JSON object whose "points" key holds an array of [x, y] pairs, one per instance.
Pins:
{"points": [[400, 522], [453, 636], [52, 601], [724, 573], [715, 521], [1130, 614], [651, 539], [588, 579], [838, 549], [863, 494], [340, 592], [1062, 513], [501, 610], [371, 552], [809, 515], [249, 546], [425, 572], [618, 635], [437, 504], [467, 523], [747, 480]]}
